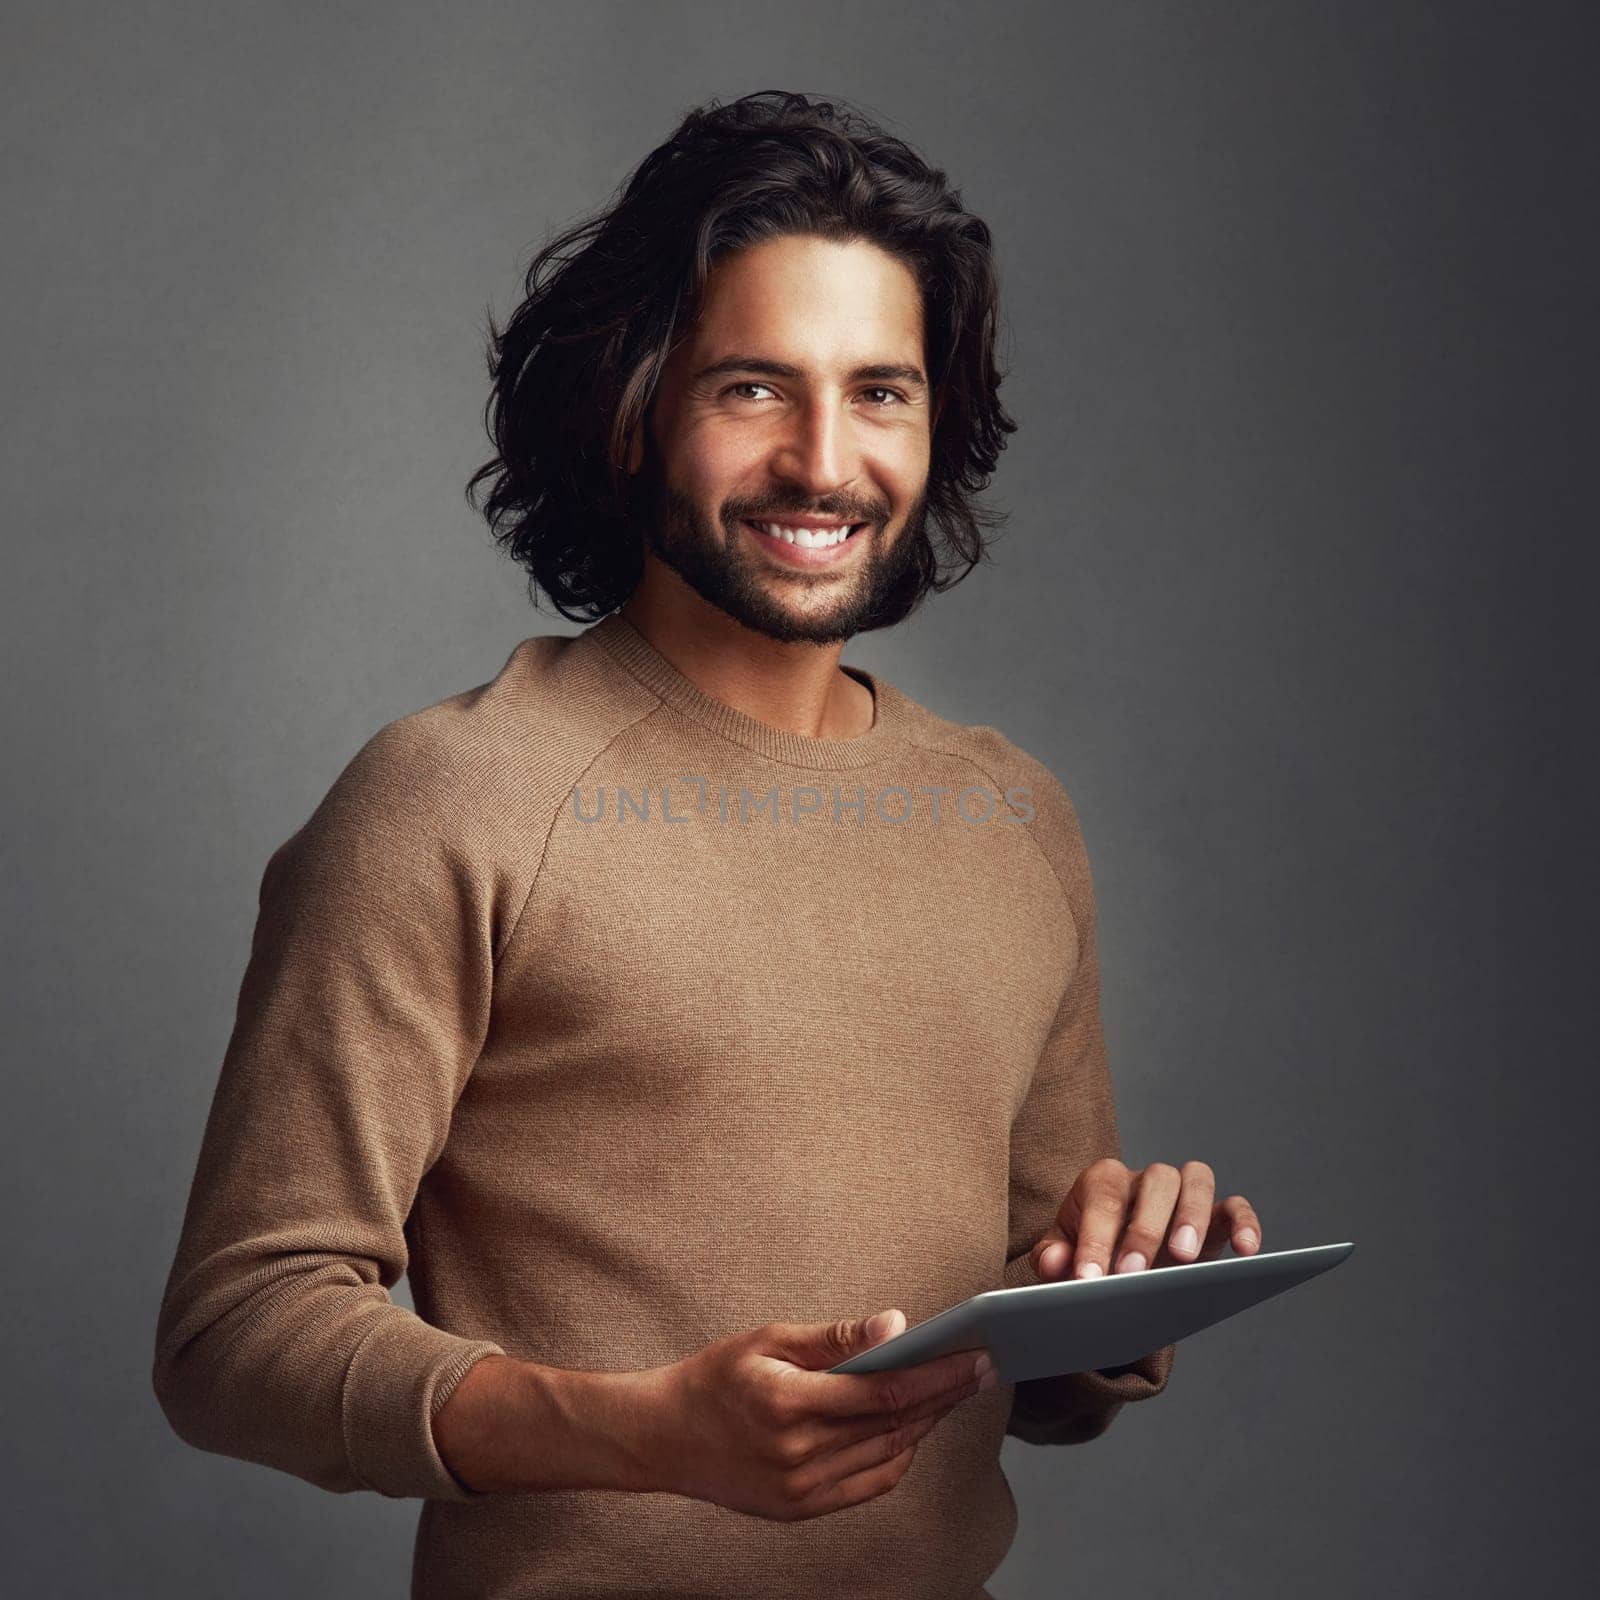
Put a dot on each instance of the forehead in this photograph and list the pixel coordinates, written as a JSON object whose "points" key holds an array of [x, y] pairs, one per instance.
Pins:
{"points": [[798, 295]]}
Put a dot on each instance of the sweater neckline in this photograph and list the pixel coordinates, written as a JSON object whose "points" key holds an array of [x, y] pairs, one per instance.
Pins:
{"points": [[629, 648]]}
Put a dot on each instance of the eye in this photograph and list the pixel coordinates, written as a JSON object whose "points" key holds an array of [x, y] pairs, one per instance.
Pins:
{"points": [[893, 396]]}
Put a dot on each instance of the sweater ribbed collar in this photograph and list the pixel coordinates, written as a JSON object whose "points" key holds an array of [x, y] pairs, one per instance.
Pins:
{"points": [[622, 643]]}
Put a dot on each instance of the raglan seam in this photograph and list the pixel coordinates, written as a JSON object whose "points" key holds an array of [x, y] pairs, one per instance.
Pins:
{"points": [[972, 761], [549, 833]]}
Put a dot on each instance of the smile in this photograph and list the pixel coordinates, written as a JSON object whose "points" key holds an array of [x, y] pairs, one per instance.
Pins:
{"points": [[808, 538], [807, 549]]}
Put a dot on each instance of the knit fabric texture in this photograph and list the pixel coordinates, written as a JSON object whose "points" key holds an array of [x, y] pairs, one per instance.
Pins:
{"points": [[621, 1021]]}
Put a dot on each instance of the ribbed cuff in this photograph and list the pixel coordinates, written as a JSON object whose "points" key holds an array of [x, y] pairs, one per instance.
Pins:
{"points": [[402, 1372]]}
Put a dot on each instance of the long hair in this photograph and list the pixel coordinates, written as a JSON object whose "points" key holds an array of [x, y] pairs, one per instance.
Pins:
{"points": [[575, 368]]}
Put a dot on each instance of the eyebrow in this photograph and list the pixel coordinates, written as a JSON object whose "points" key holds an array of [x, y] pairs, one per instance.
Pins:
{"points": [[872, 372]]}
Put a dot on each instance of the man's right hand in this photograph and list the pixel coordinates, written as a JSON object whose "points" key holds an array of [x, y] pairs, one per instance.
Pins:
{"points": [[751, 1423]]}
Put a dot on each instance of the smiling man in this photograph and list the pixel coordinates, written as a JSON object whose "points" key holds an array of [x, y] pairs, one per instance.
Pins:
{"points": [[795, 417], [679, 997]]}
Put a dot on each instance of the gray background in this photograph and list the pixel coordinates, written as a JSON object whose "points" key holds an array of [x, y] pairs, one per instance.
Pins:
{"points": [[1300, 335]]}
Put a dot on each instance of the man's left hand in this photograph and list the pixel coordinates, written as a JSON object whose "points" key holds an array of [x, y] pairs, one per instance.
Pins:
{"points": [[1159, 1215]]}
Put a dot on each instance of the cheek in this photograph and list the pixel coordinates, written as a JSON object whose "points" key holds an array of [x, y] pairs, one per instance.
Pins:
{"points": [[710, 466], [907, 468]]}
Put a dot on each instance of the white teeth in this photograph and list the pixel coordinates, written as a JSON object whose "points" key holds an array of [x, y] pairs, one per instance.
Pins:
{"points": [[806, 538]]}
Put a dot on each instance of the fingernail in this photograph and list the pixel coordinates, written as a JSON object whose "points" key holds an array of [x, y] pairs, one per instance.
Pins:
{"points": [[989, 1380], [1089, 1269], [1250, 1237], [1132, 1262], [1185, 1239]]}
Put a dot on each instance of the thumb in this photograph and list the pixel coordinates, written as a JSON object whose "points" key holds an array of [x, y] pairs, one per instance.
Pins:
{"points": [[884, 1325], [830, 1342], [1052, 1255]]}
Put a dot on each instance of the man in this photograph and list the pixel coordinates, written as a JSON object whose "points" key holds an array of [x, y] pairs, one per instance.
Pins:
{"points": [[675, 1000]]}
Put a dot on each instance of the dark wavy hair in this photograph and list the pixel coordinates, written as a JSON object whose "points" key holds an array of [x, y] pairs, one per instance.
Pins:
{"points": [[576, 367]]}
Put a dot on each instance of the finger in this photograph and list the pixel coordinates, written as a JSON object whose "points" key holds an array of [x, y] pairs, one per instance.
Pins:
{"points": [[834, 1467], [877, 1394], [1051, 1254], [1103, 1189], [1234, 1221], [1157, 1191], [1246, 1224], [829, 1437], [1192, 1216], [878, 1477]]}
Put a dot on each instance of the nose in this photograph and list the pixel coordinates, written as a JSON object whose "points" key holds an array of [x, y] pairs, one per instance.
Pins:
{"points": [[818, 454]]}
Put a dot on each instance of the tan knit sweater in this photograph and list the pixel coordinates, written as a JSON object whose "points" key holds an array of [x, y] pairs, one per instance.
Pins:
{"points": [[808, 1030]]}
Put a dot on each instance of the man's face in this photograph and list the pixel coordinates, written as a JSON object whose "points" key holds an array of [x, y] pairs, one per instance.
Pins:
{"points": [[799, 392]]}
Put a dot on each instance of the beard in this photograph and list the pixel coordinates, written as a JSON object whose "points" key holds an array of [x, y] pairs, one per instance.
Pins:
{"points": [[883, 585]]}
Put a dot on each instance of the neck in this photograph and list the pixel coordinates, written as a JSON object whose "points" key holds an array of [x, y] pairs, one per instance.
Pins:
{"points": [[796, 686]]}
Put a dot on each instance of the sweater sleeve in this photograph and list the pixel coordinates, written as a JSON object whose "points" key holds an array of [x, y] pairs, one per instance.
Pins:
{"points": [[363, 1005], [1067, 1121]]}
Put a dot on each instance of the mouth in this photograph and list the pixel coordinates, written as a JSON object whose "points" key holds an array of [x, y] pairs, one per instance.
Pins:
{"points": [[806, 547]]}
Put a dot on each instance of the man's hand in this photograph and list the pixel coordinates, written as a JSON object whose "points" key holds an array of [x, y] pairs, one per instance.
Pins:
{"points": [[755, 1422], [1158, 1215]]}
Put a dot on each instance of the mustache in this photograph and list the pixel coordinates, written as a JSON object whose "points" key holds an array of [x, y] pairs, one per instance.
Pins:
{"points": [[772, 513]]}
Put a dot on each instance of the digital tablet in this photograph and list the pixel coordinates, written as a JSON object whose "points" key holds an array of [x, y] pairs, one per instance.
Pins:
{"points": [[1077, 1324]]}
